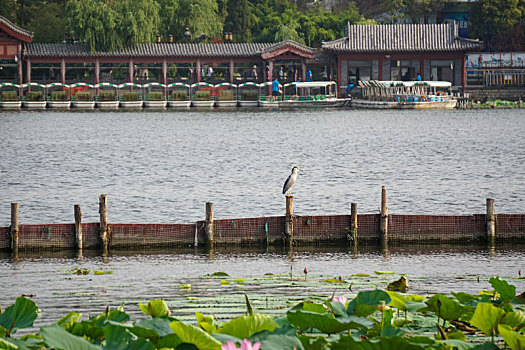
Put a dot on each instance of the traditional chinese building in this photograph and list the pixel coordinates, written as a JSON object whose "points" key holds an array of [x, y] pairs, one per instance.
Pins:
{"points": [[401, 52], [12, 40]]}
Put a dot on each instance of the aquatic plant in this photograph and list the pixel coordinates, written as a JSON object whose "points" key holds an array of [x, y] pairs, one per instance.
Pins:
{"points": [[371, 320]]}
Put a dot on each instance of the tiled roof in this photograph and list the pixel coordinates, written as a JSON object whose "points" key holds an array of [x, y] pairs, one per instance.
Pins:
{"points": [[150, 50], [402, 38], [291, 43], [23, 34]]}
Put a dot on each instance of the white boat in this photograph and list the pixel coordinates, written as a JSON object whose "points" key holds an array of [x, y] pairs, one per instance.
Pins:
{"points": [[225, 95], [209, 102], [154, 104], [63, 101], [179, 95], [243, 90], [267, 101], [130, 103], [37, 102], [404, 95], [12, 103], [110, 102], [78, 89], [310, 94]]}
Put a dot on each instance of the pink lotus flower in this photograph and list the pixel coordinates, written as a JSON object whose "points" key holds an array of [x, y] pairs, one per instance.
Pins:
{"points": [[245, 345], [341, 300]]}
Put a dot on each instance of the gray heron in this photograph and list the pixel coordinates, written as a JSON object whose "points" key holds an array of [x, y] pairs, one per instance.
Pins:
{"points": [[290, 180]]}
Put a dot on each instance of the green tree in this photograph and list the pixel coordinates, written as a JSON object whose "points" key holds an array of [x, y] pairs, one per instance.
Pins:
{"points": [[493, 21], [199, 16], [48, 23], [137, 21], [109, 25], [239, 20]]}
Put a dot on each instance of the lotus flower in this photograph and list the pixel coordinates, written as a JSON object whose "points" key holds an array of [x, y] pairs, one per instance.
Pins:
{"points": [[341, 300], [245, 345]]}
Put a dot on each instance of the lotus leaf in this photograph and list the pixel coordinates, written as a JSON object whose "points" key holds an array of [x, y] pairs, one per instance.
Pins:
{"points": [[155, 308], [279, 341], [361, 275], [514, 319], [394, 343], [57, 338], [457, 344], [384, 272], [97, 272], [400, 285], [3, 332], [161, 325], [505, 290], [465, 298], [118, 337], [193, 335], [245, 326], [486, 318], [170, 341], [365, 303], [306, 315], [68, 322], [224, 282], [445, 307], [20, 315], [140, 332], [206, 323], [515, 340], [220, 274], [11, 344]]}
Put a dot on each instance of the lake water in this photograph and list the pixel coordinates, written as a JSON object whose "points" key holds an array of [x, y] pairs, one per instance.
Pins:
{"points": [[163, 167]]}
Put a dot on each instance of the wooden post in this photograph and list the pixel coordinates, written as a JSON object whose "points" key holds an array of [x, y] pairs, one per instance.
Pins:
{"points": [[78, 227], [14, 227], [103, 229], [208, 228], [491, 220], [288, 220], [383, 220], [353, 221]]}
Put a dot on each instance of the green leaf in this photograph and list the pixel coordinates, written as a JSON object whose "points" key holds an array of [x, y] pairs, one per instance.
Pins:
{"points": [[506, 291], [515, 340], [9, 344], [365, 303], [155, 308], [193, 335], [486, 318], [394, 343], [245, 326], [206, 323], [170, 341], [465, 298], [3, 332], [280, 341], [57, 338], [514, 319], [397, 300], [20, 315], [306, 315], [161, 325], [119, 337], [67, 322], [445, 307], [457, 344]]}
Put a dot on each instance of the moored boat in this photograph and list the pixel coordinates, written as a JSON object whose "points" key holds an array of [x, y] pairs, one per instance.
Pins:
{"points": [[202, 95], [404, 95], [179, 95], [225, 95], [311, 94], [9, 98], [130, 95], [107, 97], [154, 95], [58, 96], [248, 94], [82, 96], [34, 96]]}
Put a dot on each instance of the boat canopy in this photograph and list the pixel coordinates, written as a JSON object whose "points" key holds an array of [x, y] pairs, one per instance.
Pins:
{"points": [[393, 83], [309, 84]]}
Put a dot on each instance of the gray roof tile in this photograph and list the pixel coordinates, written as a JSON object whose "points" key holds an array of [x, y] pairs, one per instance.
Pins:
{"points": [[401, 38], [15, 28]]}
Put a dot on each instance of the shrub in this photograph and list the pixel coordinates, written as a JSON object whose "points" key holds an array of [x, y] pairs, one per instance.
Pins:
{"points": [[35, 96], [58, 96], [9, 96], [203, 95], [83, 96], [249, 95], [106, 95], [225, 95], [131, 96], [155, 96], [179, 96]]}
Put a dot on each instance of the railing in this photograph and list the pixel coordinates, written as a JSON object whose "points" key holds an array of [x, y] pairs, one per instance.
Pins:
{"points": [[495, 77]]}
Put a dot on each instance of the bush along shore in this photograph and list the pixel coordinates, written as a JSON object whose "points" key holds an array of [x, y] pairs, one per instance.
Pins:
{"points": [[373, 319]]}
